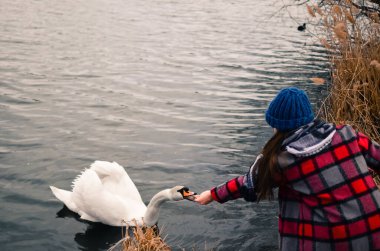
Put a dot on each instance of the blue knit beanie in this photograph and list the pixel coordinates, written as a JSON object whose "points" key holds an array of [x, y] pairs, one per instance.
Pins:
{"points": [[289, 110]]}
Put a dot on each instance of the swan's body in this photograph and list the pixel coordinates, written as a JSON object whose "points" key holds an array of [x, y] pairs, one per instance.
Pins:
{"points": [[105, 193]]}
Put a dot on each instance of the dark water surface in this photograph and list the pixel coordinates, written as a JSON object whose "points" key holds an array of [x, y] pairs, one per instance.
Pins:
{"points": [[175, 91]]}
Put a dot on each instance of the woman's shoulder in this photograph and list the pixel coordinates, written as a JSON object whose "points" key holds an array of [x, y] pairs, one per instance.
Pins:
{"points": [[313, 144], [345, 127], [344, 132]]}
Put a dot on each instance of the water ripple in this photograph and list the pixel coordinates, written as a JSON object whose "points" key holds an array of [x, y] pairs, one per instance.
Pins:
{"points": [[173, 90]]}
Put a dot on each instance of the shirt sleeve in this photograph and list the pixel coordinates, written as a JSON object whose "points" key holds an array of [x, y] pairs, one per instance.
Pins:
{"points": [[239, 187], [371, 151], [228, 191]]}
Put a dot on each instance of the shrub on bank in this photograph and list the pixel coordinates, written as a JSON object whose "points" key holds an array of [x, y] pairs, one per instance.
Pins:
{"points": [[352, 37], [351, 33], [145, 239]]}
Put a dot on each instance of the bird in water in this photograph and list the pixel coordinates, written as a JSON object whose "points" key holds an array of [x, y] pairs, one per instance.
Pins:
{"points": [[302, 27], [105, 193]]}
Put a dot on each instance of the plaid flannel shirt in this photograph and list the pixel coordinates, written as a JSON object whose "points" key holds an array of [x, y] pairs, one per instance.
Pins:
{"points": [[328, 200]]}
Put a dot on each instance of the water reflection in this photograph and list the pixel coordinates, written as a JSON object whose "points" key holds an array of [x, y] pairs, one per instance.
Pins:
{"points": [[173, 90], [97, 236]]}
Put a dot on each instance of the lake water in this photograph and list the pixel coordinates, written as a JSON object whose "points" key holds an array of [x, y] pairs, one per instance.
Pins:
{"points": [[175, 91]]}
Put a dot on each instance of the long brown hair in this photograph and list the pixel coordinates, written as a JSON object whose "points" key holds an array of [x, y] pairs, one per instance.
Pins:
{"points": [[268, 166]]}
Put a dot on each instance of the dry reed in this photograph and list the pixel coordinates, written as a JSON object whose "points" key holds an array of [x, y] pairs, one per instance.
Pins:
{"points": [[145, 239], [353, 40], [148, 239]]}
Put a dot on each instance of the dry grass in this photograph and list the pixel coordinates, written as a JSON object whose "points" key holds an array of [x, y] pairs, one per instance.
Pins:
{"points": [[354, 42], [148, 239], [353, 39], [145, 239], [142, 238]]}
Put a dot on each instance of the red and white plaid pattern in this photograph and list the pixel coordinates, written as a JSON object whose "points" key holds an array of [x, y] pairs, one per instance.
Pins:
{"points": [[328, 201]]}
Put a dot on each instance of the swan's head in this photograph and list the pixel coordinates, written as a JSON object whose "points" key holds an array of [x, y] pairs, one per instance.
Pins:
{"points": [[180, 193]]}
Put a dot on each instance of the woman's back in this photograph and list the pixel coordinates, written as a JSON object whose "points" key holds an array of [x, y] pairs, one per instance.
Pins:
{"points": [[328, 199]]}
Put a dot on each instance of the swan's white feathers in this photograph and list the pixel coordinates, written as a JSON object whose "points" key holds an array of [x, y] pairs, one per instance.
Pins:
{"points": [[105, 193], [77, 178], [87, 217], [116, 180], [65, 197], [99, 203], [105, 168]]}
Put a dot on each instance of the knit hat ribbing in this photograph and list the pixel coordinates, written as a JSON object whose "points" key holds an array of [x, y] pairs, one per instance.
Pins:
{"points": [[289, 110]]}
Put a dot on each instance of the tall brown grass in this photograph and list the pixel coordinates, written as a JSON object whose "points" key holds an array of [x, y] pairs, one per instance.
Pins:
{"points": [[354, 44], [352, 36], [145, 239], [148, 239]]}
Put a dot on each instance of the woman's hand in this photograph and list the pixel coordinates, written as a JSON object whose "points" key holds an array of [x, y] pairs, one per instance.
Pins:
{"points": [[204, 198]]}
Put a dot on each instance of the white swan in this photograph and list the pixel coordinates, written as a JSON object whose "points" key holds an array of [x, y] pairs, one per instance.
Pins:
{"points": [[105, 193]]}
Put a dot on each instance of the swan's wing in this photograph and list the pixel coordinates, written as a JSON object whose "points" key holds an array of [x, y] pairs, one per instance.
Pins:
{"points": [[116, 180], [107, 169], [87, 217], [97, 204]]}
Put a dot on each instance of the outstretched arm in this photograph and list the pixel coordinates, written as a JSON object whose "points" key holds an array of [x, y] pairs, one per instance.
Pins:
{"points": [[204, 198], [242, 186], [222, 193]]}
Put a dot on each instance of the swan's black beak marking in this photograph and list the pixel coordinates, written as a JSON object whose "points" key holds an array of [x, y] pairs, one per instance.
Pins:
{"points": [[187, 194]]}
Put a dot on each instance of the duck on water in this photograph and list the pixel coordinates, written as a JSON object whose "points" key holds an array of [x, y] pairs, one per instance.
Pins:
{"points": [[302, 27]]}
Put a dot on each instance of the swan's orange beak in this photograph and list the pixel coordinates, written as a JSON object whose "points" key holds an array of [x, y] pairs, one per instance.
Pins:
{"points": [[187, 194]]}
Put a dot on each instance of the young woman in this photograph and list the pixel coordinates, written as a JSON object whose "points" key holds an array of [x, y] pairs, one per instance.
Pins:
{"points": [[327, 197]]}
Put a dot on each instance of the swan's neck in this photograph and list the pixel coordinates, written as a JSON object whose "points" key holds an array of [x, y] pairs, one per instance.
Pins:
{"points": [[153, 209]]}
